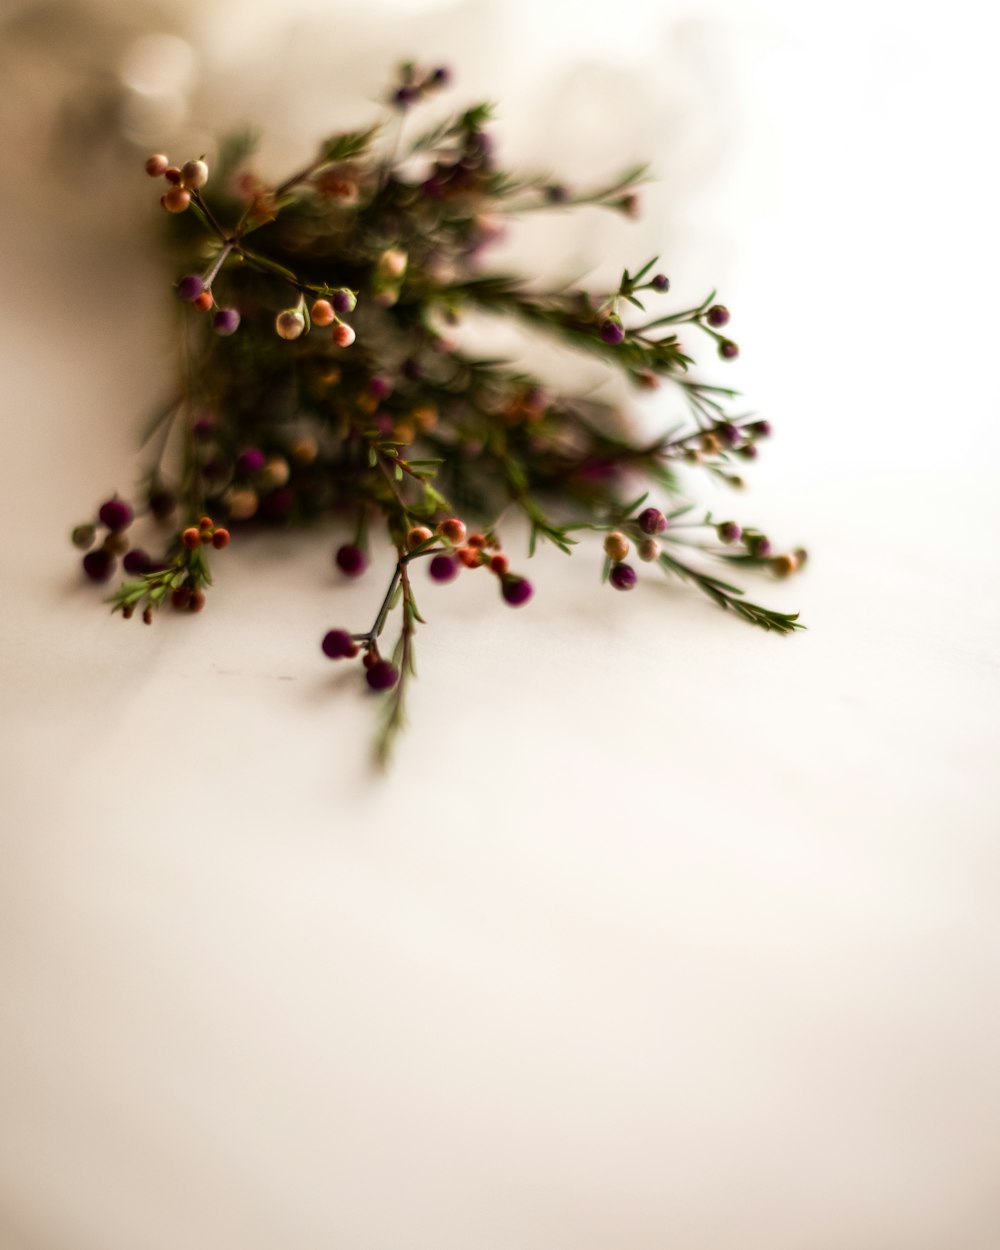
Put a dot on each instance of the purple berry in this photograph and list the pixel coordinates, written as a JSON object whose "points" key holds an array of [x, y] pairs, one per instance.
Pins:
{"points": [[516, 590], [717, 315], [758, 545], [729, 433], [343, 302], [382, 675], [226, 321], [623, 577], [728, 350], [652, 521], [338, 644], [351, 560], [759, 429], [115, 514], [443, 567], [136, 561], [250, 461], [729, 532], [660, 283], [379, 387], [98, 565], [190, 287], [612, 331]]}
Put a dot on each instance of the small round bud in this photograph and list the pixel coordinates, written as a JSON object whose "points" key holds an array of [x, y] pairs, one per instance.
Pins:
{"points": [[392, 264], [194, 174], [759, 429], [136, 561], [172, 175], [191, 538], [717, 316], [337, 644], [729, 532], [728, 350], [499, 563], [749, 452], [156, 166], [623, 577], [190, 286], [242, 502], [220, 539], [203, 302], [382, 675], [660, 282], [476, 540], [343, 334], [115, 514], [441, 77], [711, 444], [783, 566], [351, 560], [147, 616], [83, 536], [197, 601], [322, 313], [250, 461], [652, 521], [344, 301], [801, 555], [515, 590], [471, 557], [443, 567], [225, 322], [616, 545], [758, 545], [612, 331], [729, 433], [453, 530], [176, 200], [276, 472], [416, 535], [289, 324], [181, 597], [116, 543], [98, 565], [648, 549]]}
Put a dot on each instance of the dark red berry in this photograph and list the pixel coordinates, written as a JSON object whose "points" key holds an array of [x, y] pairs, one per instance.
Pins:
{"points": [[382, 675], [338, 644], [98, 565], [115, 514], [443, 567], [515, 590], [717, 315], [351, 560], [623, 577], [729, 532], [652, 521], [660, 283], [728, 350], [136, 561]]}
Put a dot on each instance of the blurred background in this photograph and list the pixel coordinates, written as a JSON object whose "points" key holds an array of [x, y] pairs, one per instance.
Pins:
{"points": [[661, 933]]}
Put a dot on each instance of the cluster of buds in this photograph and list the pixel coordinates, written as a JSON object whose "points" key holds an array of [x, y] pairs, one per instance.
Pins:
{"points": [[415, 84], [101, 559], [471, 551], [185, 181]]}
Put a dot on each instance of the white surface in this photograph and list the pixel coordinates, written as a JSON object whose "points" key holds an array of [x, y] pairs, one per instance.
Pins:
{"points": [[663, 932]]}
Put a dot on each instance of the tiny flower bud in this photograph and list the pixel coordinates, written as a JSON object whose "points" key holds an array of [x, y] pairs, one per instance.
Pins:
{"points": [[172, 175], [305, 450], [453, 530], [660, 282], [181, 596], [443, 567], [476, 540], [382, 675], [717, 316], [242, 503], [225, 322], [136, 561], [197, 601], [98, 565], [276, 471], [749, 452], [220, 539], [616, 545], [190, 286], [116, 543], [759, 429], [83, 536], [147, 616], [758, 545], [156, 166], [711, 443], [194, 174], [322, 313], [343, 334], [801, 555], [337, 644], [351, 560], [729, 433], [204, 301], [652, 521], [250, 461], [344, 301], [176, 200], [783, 566], [499, 563], [417, 535], [729, 532], [728, 350], [191, 538], [515, 590], [392, 264], [612, 331], [471, 557], [115, 514], [648, 549], [623, 577], [289, 324]]}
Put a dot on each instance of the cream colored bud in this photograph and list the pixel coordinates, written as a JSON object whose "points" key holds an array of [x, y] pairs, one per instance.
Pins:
{"points": [[616, 546], [194, 174], [648, 549], [242, 503], [290, 323]]}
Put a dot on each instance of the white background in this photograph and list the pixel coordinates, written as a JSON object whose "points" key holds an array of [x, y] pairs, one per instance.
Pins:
{"points": [[662, 932]]}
